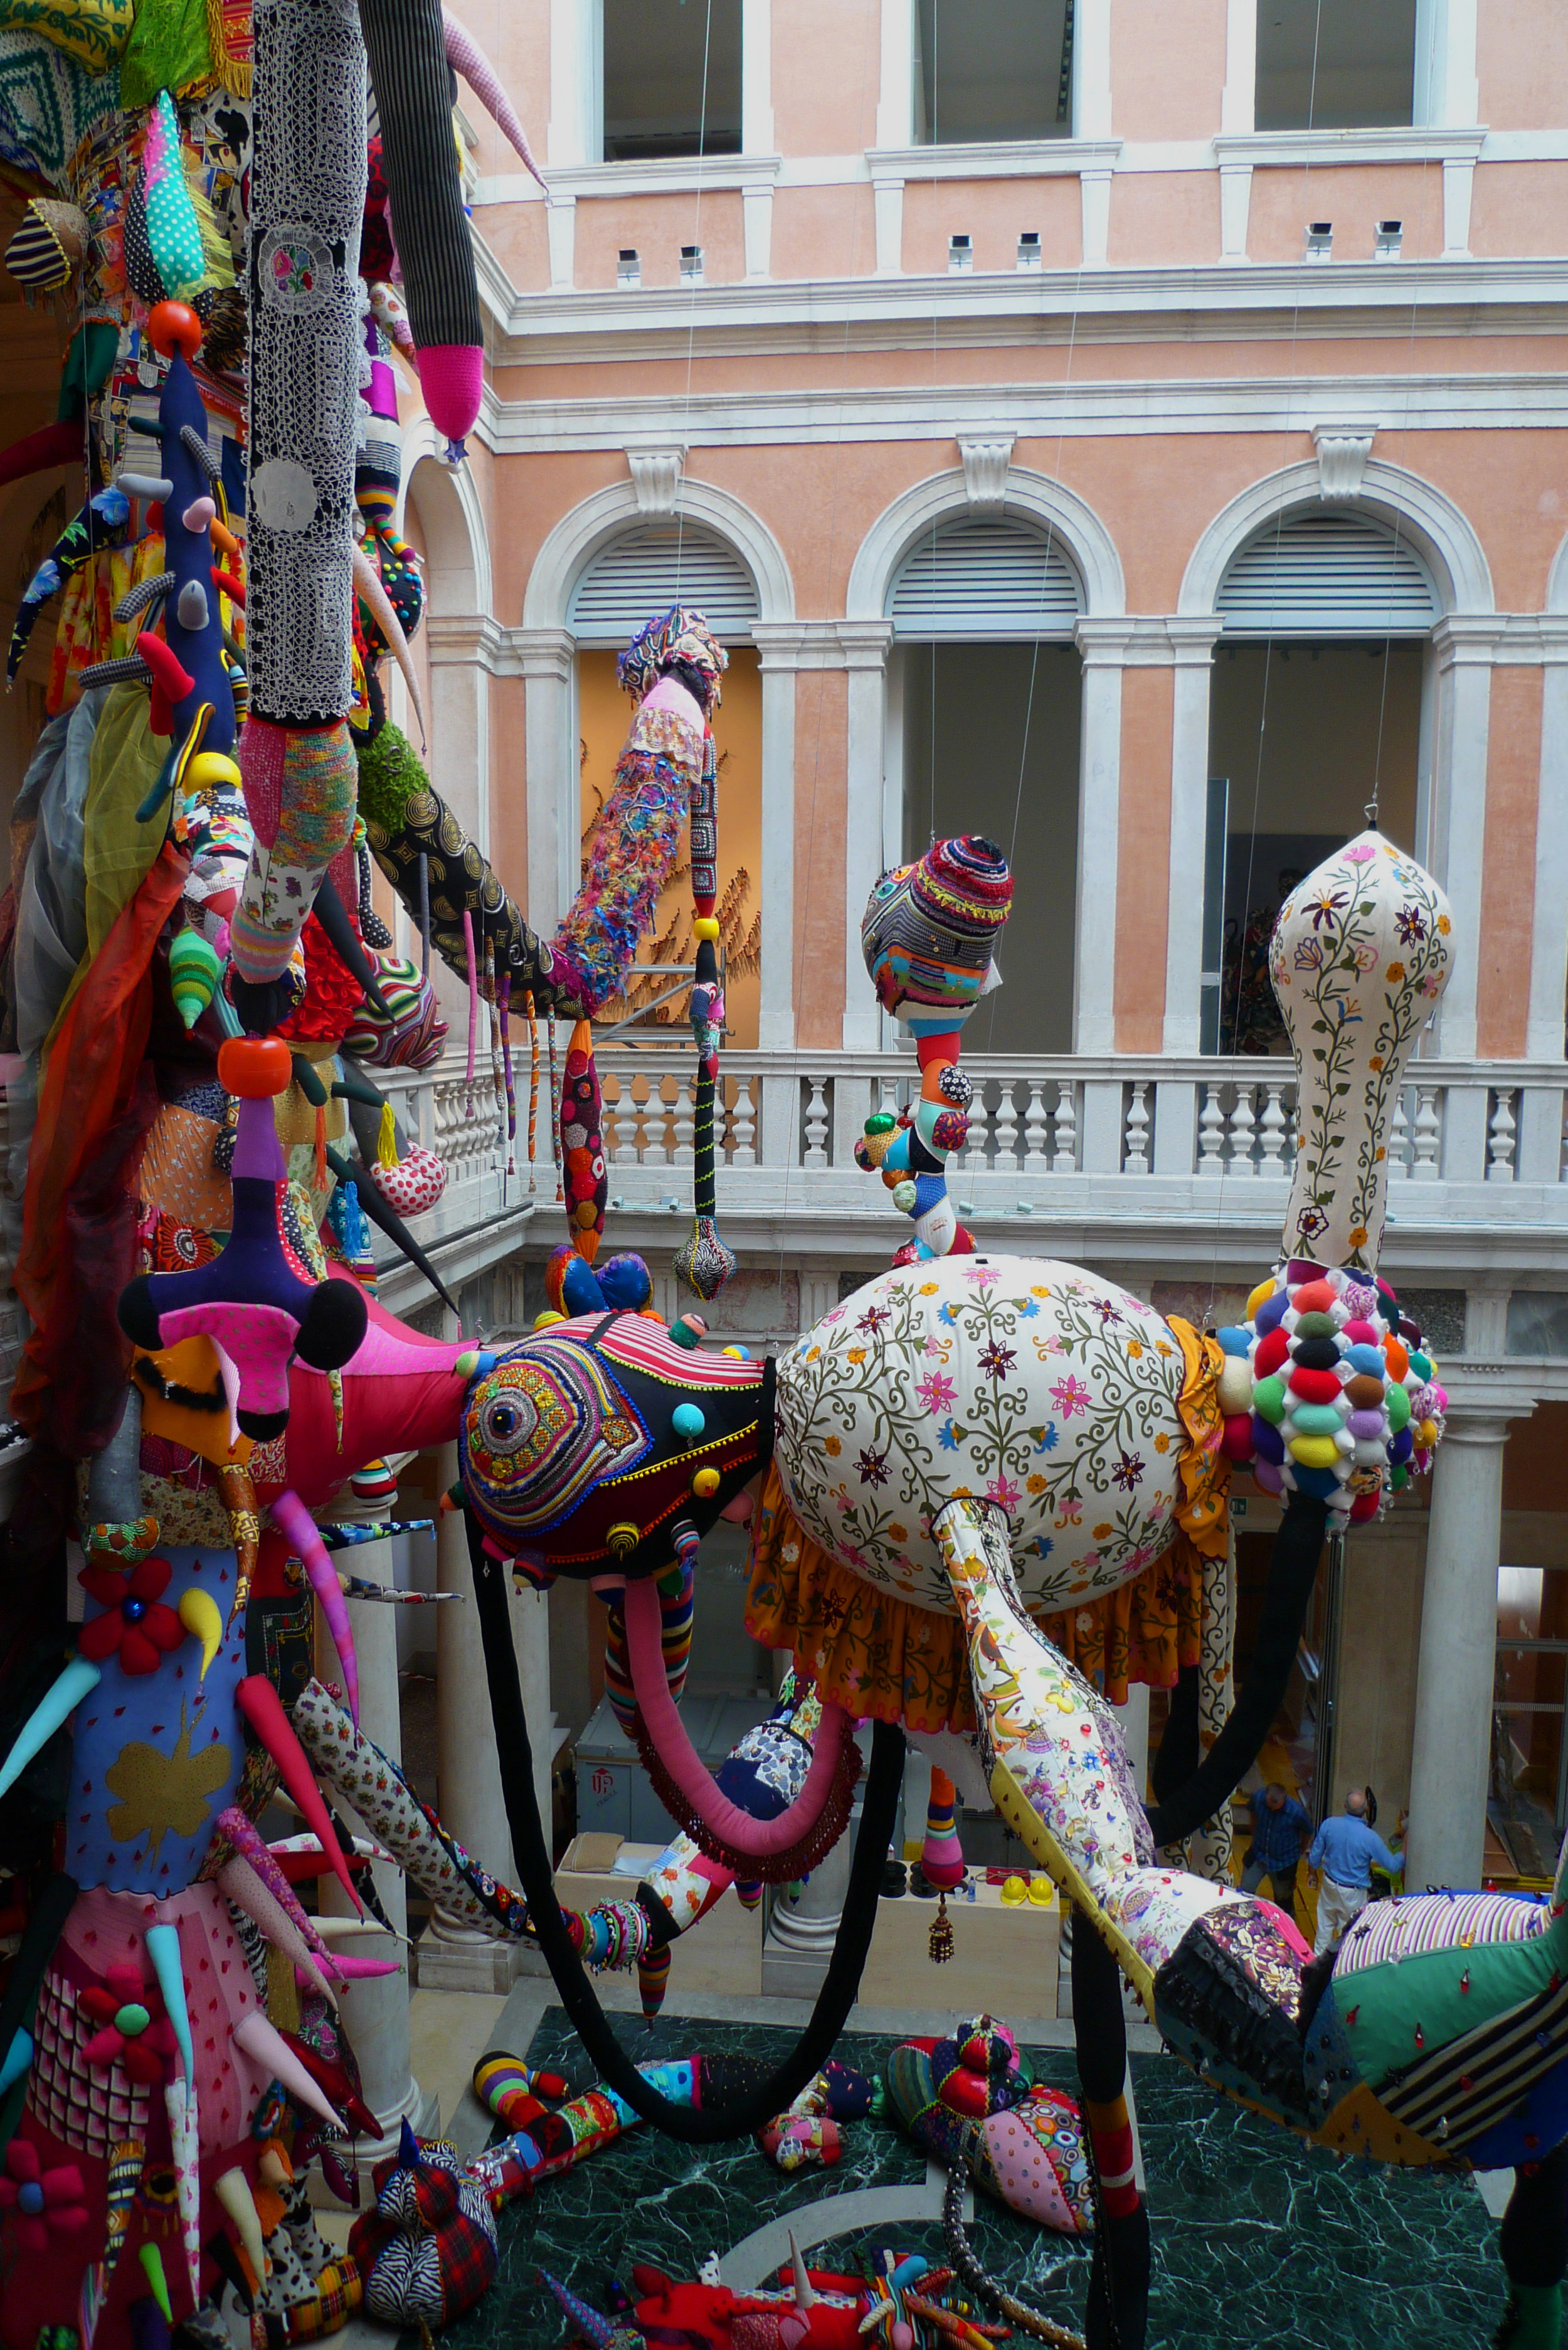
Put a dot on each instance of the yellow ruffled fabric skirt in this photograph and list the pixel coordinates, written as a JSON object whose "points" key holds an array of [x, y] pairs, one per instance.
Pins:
{"points": [[881, 1657]]}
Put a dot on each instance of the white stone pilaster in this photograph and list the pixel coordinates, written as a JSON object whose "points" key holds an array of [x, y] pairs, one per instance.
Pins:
{"points": [[1103, 645], [1459, 186], [1238, 105], [775, 643], [896, 92], [1092, 92], [1464, 648], [757, 77], [561, 229], [1235, 209], [1094, 215], [463, 647], [887, 203], [1192, 653], [1549, 945], [545, 657], [865, 647]]}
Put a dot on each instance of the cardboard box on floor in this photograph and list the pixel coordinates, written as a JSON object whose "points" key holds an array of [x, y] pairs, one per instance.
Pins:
{"points": [[1002, 1956]]}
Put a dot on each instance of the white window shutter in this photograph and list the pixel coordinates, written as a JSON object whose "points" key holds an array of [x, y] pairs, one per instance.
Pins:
{"points": [[1327, 574], [637, 576], [986, 577]]}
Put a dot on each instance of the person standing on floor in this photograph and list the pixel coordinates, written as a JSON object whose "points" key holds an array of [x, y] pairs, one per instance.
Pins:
{"points": [[1281, 1828], [1345, 1848]]}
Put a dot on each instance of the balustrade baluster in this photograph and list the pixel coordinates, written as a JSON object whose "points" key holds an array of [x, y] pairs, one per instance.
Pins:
{"points": [[629, 1120], [1006, 1130], [685, 1118], [1271, 1133], [1399, 1142], [1242, 1124], [1429, 1136], [654, 1150], [1036, 1131], [1502, 1138], [1136, 1159], [815, 1123], [1210, 1134], [1064, 1158], [743, 1125]]}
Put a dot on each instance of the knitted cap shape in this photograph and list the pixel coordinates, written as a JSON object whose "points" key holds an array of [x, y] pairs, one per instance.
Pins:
{"points": [[679, 634], [931, 928]]}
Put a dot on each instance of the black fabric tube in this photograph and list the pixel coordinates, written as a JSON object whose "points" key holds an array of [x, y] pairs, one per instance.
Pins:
{"points": [[1293, 1571], [390, 1222], [406, 46], [1118, 2314], [710, 2125], [1533, 2239], [333, 916], [42, 1932], [1178, 1754]]}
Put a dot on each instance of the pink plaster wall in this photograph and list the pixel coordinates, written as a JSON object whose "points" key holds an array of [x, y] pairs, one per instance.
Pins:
{"points": [[1168, 68], [824, 232], [1508, 869], [1354, 197], [1143, 859], [821, 815], [1161, 219], [658, 226], [827, 70], [516, 37], [519, 237], [1521, 63], [1521, 208], [991, 212]]}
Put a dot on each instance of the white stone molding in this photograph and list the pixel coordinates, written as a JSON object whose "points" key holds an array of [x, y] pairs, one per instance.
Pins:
{"points": [[1193, 641], [1341, 453], [1322, 149], [460, 554], [986, 158], [1092, 71], [1235, 210], [1549, 945], [756, 77], [656, 478], [986, 458], [1238, 105], [460, 626], [1464, 646], [896, 87], [1031, 497], [576, 538]]}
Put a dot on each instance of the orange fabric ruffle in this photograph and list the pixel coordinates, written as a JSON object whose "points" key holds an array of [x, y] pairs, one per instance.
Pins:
{"points": [[883, 1658]]}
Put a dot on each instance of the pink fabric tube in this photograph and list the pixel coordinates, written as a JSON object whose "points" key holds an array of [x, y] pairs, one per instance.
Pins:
{"points": [[472, 998], [296, 1525], [752, 1839], [263, 1709]]}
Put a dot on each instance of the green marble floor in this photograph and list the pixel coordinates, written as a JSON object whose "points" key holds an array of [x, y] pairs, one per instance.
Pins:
{"points": [[1259, 2242]]}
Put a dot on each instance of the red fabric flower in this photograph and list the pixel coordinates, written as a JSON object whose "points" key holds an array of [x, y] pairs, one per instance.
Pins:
{"points": [[133, 2032], [135, 1620], [46, 2202]]}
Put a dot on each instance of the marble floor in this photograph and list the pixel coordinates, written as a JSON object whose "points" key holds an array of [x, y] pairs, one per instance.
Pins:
{"points": [[1258, 2241]]}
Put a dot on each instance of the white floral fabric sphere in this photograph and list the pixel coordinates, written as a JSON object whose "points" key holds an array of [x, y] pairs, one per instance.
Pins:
{"points": [[1024, 1380]]}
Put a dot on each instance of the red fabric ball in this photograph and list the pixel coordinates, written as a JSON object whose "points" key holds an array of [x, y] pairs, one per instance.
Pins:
{"points": [[1365, 1506], [1315, 1386], [1236, 1443], [1272, 1352], [1314, 1297]]}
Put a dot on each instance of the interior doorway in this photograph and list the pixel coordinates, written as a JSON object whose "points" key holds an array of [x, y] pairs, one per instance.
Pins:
{"points": [[990, 744]]}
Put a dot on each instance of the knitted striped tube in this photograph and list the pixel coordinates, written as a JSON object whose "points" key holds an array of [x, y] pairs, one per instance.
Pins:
{"points": [[676, 1604], [311, 778]]}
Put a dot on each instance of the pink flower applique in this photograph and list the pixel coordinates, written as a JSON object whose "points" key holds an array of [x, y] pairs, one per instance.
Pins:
{"points": [[46, 2202], [1070, 1396]]}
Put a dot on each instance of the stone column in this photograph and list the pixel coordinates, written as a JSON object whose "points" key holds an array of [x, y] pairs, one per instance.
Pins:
{"points": [[1192, 651], [547, 658], [375, 2010], [1103, 647], [776, 643], [1452, 1747], [1464, 647], [865, 647]]}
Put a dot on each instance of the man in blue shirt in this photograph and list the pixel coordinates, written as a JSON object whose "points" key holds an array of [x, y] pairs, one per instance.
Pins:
{"points": [[1345, 1848], [1280, 1831]]}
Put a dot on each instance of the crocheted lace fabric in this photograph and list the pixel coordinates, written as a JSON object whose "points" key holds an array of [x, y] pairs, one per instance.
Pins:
{"points": [[308, 194]]}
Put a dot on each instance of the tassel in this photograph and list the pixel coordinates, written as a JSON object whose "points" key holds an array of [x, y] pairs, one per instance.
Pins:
{"points": [[319, 1173], [555, 1109], [424, 915], [387, 1137], [472, 1000], [533, 1084], [939, 1942], [508, 1079]]}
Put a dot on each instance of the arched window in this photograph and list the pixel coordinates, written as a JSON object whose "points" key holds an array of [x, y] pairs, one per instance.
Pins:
{"points": [[985, 687], [1316, 708], [628, 582], [648, 569]]}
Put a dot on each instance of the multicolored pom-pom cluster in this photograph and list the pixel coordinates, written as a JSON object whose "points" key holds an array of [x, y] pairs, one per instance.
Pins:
{"points": [[1326, 1390]]}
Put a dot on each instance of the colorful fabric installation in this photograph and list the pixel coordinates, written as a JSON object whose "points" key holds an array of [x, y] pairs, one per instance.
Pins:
{"points": [[968, 2102]]}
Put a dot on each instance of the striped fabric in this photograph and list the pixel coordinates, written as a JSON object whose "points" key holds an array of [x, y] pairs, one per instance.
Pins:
{"points": [[1472, 2083], [639, 1344], [1436, 1921], [409, 75]]}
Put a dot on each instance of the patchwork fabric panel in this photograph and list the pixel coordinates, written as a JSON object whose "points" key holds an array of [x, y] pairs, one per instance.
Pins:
{"points": [[89, 2109], [1227, 2000], [1436, 1921]]}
